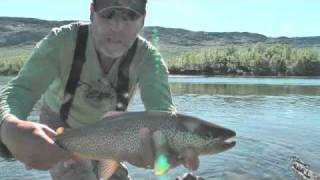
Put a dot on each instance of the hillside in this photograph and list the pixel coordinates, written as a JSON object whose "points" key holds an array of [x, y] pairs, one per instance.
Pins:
{"points": [[28, 31]]}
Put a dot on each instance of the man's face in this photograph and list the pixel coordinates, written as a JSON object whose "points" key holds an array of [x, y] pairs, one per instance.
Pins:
{"points": [[115, 29]]}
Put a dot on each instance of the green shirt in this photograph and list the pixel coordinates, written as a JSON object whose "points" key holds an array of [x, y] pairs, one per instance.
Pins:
{"points": [[47, 71]]}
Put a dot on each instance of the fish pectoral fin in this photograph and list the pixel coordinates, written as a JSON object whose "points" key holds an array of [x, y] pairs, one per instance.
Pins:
{"points": [[107, 168]]}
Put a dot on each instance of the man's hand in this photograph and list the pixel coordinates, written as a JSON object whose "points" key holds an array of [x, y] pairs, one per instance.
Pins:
{"points": [[155, 144], [32, 143]]}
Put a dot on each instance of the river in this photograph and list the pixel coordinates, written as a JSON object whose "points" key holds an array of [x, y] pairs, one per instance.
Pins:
{"points": [[274, 118]]}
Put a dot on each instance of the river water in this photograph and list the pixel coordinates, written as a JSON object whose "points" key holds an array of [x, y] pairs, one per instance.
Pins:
{"points": [[275, 118]]}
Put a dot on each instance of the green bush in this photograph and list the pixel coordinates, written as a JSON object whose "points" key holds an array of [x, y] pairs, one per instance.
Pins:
{"points": [[12, 59], [258, 59]]}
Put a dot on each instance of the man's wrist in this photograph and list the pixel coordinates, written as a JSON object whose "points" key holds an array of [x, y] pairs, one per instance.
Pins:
{"points": [[4, 152]]}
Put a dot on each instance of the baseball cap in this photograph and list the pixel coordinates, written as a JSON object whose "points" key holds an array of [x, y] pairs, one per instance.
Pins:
{"points": [[138, 6]]}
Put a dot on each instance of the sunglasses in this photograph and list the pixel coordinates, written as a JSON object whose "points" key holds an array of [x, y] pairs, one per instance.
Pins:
{"points": [[122, 13]]}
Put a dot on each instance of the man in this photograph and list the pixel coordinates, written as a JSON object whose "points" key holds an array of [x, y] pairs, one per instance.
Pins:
{"points": [[113, 31]]}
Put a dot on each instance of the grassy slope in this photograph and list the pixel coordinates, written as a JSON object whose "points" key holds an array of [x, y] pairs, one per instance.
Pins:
{"points": [[19, 35], [12, 58]]}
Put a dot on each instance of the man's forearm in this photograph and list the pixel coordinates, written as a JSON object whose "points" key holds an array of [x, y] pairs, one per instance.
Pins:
{"points": [[4, 151]]}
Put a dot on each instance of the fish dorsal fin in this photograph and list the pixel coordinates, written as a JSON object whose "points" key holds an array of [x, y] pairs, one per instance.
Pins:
{"points": [[60, 130], [107, 168]]}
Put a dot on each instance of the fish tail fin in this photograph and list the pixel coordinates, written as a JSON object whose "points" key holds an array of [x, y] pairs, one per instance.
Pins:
{"points": [[107, 168]]}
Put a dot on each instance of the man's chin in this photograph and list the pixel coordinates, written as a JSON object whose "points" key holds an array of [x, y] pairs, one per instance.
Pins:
{"points": [[114, 53]]}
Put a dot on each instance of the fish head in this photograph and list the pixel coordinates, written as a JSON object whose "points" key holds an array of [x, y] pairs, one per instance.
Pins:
{"points": [[204, 137]]}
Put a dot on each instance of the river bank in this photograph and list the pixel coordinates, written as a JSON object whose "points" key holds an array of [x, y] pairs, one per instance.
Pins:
{"points": [[250, 60]]}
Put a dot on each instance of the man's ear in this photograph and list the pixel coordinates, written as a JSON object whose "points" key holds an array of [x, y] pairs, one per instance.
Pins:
{"points": [[92, 10], [142, 21]]}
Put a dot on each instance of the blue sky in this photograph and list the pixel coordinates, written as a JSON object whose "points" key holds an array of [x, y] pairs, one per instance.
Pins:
{"points": [[269, 17]]}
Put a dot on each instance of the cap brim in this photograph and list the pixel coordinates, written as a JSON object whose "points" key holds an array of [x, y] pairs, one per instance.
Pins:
{"points": [[119, 7]]}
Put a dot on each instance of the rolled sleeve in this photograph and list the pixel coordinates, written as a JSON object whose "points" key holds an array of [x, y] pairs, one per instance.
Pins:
{"points": [[22, 92], [154, 85]]}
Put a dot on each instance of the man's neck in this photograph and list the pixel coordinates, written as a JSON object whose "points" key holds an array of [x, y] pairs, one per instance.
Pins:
{"points": [[106, 62]]}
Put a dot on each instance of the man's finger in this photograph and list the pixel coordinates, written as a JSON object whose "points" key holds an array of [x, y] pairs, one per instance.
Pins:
{"points": [[47, 135], [147, 153], [191, 159], [162, 147], [50, 132], [160, 141]]}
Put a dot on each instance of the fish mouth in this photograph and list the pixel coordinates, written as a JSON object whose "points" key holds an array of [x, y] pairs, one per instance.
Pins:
{"points": [[221, 144], [229, 142]]}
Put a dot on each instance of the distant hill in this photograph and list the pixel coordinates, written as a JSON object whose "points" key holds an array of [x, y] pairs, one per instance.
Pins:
{"points": [[28, 31], [183, 37]]}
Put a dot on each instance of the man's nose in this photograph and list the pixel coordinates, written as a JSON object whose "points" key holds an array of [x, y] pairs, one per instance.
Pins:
{"points": [[117, 24]]}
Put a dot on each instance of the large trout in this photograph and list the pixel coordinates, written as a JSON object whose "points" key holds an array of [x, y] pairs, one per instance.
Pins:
{"points": [[116, 138]]}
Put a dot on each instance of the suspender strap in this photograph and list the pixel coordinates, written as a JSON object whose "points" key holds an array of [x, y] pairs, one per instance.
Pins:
{"points": [[122, 87], [76, 68]]}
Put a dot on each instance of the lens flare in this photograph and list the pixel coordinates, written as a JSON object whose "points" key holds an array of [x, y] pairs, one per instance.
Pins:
{"points": [[162, 165]]}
